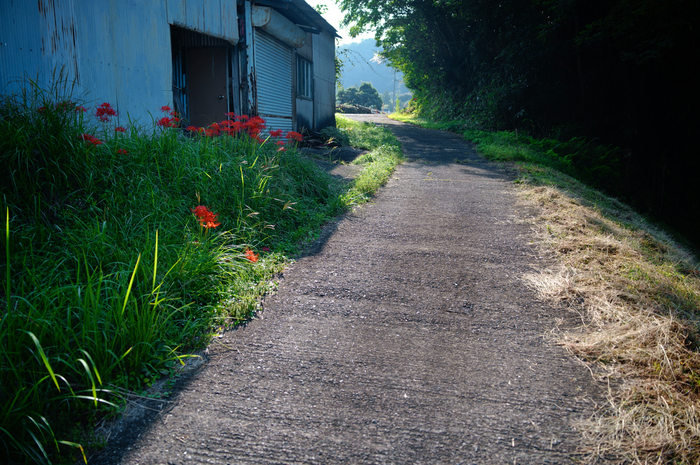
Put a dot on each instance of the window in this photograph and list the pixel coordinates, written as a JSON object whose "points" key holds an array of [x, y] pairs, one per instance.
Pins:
{"points": [[305, 78]]}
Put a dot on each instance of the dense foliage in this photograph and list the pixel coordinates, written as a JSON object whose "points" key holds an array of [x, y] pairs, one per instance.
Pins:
{"points": [[366, 95], [613, 70]]}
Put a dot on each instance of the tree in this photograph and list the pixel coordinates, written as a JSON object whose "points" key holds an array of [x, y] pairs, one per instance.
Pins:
{"points": [[366, 95], [386, 98], [616, 71]]}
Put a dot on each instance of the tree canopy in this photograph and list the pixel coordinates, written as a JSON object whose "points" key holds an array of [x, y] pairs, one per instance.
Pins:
{"points": [[613, 70], [366, 95]]}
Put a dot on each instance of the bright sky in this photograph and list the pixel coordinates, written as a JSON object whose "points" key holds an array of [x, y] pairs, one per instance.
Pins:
{"points": [[334, 16]]}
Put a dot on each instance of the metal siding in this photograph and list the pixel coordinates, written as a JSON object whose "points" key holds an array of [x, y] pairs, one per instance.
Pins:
{"points": [[216, 18], [307, 50], [273, 72], [278, 123], [120, 56], [305, 113], [324, 81]]}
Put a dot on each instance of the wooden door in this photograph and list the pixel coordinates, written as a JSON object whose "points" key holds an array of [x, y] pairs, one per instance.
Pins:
{"points": [[207, 86]]}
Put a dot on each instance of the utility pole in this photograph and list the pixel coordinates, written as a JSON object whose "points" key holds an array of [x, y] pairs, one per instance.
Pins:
{"points": [[396, 101]]}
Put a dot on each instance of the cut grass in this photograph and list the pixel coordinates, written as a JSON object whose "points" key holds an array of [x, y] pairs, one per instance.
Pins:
{"points": [[638, 296]]}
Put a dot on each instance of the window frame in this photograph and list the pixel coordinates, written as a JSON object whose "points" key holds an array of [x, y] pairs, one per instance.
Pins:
{"points": [[305, 78]]}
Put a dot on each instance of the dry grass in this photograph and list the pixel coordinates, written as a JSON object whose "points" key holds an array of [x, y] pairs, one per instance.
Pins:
{"points": [[638, 294]]}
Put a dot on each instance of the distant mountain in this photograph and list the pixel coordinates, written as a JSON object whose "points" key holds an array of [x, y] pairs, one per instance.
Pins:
{"points": [[360, 68]]}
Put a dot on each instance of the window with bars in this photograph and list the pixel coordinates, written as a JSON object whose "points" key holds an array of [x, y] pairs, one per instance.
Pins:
{"points": [[305, 78]]}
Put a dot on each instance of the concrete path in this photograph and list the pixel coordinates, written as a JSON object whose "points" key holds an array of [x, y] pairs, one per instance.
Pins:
{"points": [[404, 336]]}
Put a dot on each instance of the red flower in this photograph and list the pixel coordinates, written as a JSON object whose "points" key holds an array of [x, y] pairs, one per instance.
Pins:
{"points": [[122, 151], [206, 217], [81, 108], [266, 249], [165, 108], [104, 112], [90, 139], [276, 133], [250, 255], [168, 122], [41, 109], [294, 135], [119, 129]]}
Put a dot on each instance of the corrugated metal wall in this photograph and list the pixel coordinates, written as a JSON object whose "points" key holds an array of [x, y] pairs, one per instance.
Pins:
{"points": [[114, 50], [324, 80], [215, 18], [273, 74]]}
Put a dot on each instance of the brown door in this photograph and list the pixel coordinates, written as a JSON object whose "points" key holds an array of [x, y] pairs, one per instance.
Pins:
{"points": [[207, 74]]}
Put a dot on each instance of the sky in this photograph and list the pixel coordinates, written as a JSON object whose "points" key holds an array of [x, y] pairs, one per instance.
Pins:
{"points": [[334, 16]]}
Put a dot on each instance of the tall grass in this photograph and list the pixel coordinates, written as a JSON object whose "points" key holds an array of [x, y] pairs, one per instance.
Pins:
{"points": [[108, 276]]}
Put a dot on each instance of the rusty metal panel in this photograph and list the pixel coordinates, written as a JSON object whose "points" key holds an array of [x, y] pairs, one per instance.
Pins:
{"points": [[324, 80], [31, 44], [216, 18], [120, 55]]}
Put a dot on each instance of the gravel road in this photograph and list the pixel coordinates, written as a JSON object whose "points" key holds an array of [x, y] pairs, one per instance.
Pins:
{"points": [[404, 335]]}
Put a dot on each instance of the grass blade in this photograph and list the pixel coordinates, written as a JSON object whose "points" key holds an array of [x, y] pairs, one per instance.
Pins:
{"points": [[131, 283]]}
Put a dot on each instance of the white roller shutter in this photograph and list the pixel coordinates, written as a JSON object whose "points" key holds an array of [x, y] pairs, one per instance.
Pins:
{"points": [[273, 73]]}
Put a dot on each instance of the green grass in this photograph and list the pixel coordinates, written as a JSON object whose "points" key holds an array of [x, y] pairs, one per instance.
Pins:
{"points": [[598, 165], [379, 163], [109, 279]]}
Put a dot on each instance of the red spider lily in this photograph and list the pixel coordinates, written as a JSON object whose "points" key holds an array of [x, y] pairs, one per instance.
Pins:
{"points": [[295, 136], [195, 129], [41, 109], [104, 112], [165, 108], [169, 122], [90, 139], [276, 133], [122, 152], [120, 129], [81, 108], [252, 256], [266, 249], [206, 217]]}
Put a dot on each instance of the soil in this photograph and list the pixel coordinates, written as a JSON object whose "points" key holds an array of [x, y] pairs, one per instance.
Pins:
{"points": [[404, 335]]}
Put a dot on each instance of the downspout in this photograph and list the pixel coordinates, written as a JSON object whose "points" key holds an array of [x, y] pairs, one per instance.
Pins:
{"points": [[250, 66]]}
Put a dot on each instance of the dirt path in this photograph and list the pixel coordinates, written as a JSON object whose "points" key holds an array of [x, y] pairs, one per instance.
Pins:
{"points": [[404, 336]]}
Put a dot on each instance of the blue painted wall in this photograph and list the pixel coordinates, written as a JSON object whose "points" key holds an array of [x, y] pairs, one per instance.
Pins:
{"points": [[114, 51]]}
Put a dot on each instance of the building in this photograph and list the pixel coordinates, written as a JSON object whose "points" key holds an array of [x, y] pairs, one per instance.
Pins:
{"points": [[272, 58]]}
